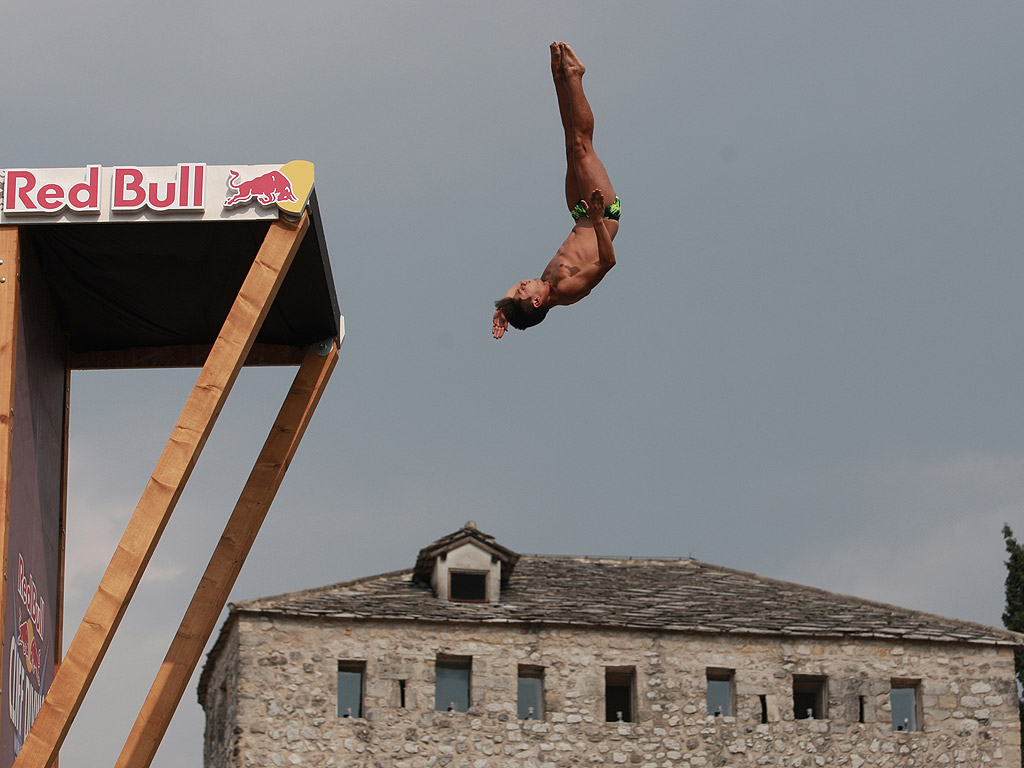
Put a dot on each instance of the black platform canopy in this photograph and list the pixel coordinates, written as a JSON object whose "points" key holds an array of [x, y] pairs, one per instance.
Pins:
{"points": [[145, 288]]}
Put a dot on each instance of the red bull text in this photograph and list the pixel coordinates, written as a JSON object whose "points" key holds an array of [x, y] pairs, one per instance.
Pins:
{"points": [[132, 191], [30, 597], [26, 193]]}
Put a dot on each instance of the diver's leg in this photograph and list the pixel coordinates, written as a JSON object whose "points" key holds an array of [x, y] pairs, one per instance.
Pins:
{"points": [[590, 171], [573, 194]]}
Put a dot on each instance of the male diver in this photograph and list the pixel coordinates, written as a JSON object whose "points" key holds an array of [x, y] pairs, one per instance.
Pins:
{"points": [[585, 257]]}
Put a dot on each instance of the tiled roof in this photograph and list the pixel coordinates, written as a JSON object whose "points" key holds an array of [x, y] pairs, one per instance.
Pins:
{"points": [[654, 594]]}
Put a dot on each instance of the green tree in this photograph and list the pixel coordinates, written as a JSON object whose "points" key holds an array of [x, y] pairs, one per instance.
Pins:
{"points": [[1013, 616]]}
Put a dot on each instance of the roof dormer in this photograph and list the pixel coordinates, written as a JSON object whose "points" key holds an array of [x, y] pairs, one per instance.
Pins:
{"points": [[466, 566]]}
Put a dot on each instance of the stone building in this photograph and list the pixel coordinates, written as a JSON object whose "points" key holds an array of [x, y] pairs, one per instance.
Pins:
{"points": [[480, 657]]}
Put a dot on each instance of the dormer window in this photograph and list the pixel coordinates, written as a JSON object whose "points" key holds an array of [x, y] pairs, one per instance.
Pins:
{"points": [[465, 567], [467, 586]]}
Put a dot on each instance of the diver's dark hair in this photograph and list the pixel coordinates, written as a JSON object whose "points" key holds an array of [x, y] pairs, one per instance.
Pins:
{"points": [[518, 316]]}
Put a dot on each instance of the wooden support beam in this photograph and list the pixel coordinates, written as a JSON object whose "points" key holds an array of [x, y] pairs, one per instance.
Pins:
{"points": [[10, 264], [239, 534], [173, 468]]}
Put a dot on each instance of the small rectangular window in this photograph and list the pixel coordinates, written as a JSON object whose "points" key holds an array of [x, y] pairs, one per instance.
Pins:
{"points": [[467, 586], [720, 692], [452, 681], [619, 694], [903, 700], [350, 688], [809, 697], [531, 693]]}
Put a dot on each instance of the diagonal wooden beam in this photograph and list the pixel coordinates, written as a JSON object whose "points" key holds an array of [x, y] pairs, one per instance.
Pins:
{"points": [[239, 534], [173, 468], [10, 260]]}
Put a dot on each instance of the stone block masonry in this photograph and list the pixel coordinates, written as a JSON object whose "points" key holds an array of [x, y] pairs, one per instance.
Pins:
{"points": [[271, 698]]}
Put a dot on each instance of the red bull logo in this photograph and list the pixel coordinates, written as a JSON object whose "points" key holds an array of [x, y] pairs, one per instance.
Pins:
{"points": [[270, 188], [30, 631], [28, 659], [28, 644], [288, 187]]}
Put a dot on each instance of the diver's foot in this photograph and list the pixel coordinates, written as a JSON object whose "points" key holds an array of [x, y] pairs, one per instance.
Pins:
{"points": [[556, 62], [571, 65]]}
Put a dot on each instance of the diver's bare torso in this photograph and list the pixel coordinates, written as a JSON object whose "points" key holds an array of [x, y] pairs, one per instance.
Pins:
{"points": [[576, 267]]}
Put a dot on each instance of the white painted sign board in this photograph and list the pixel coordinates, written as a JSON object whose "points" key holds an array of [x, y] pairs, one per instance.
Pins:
{"points": [[186, 192]]}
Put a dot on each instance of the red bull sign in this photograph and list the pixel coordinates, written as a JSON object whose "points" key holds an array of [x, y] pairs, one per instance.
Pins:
{"points": [[186, 192], [27, 655]]}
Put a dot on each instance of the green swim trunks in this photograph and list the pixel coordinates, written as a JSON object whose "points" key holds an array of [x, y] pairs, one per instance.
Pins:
{"points": [[612, 211]]}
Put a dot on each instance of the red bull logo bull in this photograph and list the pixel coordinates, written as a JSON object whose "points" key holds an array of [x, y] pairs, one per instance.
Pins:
{"points": [[28, 644], [288, 187], [268, 189]]}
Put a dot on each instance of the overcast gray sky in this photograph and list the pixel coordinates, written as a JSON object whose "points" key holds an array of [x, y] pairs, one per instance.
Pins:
{"points": [[806, 364]]}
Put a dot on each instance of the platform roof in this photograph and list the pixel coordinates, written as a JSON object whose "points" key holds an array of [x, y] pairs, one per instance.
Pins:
{"points": [[153, 290]]}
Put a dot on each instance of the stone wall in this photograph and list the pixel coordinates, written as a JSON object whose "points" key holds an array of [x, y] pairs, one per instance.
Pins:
{"points": [[277, 683], [221, 705]]}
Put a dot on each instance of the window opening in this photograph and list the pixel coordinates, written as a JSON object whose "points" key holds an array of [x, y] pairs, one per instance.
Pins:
{"points": [[401, 694], [808, 697], [903, 701], [531, 693], [764, 707], [720, 692], [451, 687], [619, 685], [469, 587], [860, 709], [350, 688]]}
